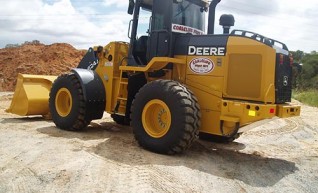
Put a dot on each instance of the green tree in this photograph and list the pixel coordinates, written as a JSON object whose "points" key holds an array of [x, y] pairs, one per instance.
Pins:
{"points": [[298, 55], [308, 78]]}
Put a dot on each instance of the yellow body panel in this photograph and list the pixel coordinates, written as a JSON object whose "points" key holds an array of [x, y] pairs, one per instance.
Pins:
{"points": [[286, 110], [108, 69], [31, 96], [249, 70], [244, 74], [156, 63]]}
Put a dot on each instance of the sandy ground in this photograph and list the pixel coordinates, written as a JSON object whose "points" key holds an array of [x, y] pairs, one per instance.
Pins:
{"points": [[281, 156]]}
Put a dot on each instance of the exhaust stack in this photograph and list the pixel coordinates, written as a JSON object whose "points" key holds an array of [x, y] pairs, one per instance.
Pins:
{"points": [[227, 21], [211, 21]]}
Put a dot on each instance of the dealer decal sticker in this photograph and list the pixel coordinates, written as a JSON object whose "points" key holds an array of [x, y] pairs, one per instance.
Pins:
{"points": [[186, 29], [201, 65]]}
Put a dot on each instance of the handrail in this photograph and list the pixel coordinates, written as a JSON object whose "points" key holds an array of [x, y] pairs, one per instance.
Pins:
{"points": [[258, 37]]}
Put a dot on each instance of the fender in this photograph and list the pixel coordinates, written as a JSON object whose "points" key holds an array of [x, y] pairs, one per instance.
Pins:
{"points": [[93, 91]]}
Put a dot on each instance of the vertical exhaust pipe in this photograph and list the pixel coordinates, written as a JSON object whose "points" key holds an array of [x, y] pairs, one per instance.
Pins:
{"points": [[211, 21], [227, 21]]}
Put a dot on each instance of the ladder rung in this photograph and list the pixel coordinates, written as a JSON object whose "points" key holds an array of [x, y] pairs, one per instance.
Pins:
{"points": [[120, 98], [123, 82]]}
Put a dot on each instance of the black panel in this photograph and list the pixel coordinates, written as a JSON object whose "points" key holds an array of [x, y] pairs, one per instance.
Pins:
{"points": [[140, 50], [89, 61], [182, 42], [283, 82], [93, 91], [135, 82], [159, 44], [160, 33]]}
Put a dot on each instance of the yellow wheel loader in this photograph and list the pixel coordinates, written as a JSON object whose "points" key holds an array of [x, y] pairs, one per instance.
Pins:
{"points": [[173, 84]]}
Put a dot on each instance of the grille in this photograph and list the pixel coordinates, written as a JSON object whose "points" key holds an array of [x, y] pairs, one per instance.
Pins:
{"points": [[283, 82]]}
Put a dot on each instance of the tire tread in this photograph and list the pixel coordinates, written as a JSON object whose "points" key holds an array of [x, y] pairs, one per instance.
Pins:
{"points": [[79, 123]]}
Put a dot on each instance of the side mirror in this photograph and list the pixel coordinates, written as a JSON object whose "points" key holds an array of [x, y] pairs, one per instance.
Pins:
{"points": [[131, 7]]}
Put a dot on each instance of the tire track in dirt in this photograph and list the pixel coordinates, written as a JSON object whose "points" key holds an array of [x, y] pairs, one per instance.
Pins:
{"points": [[300, 137], [141, 175], [292, 125], [106, 158], [24, 180], [134, 164], [133, 167]]}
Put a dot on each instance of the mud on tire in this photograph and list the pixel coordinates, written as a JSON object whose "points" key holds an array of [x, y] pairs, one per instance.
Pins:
{"points": [[184, 122], [74, 120]]}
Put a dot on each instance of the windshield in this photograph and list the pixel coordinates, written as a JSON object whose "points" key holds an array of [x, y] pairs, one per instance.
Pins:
{"points": [[188, 18]]}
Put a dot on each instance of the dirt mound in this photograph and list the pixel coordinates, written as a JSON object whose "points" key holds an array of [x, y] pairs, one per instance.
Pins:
{"points": [[36, 59]]}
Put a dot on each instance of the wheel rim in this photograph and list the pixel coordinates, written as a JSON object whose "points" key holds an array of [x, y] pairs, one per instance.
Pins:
{"points": [[156, 118], [63, 102]]}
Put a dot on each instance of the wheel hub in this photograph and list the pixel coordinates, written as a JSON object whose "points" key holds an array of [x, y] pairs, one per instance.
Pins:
{"points": [[63, 102], [162, 118], [156, 118]]}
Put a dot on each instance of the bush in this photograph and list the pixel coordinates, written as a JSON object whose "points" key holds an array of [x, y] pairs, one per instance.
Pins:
{"points": [[309, 97]]}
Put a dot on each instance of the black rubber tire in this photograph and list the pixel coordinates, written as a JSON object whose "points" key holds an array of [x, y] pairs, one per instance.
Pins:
{"points": [[75, 119], [121, 120], [185, 117], [217, 138]]}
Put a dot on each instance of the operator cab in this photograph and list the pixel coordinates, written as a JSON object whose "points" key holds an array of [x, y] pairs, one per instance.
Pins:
{"points": [[168, 20]]}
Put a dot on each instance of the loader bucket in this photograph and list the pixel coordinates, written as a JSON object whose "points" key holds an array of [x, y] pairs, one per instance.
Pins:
{"points": [[31, 96]]}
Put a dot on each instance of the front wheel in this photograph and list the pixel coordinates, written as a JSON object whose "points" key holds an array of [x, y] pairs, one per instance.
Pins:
{"points": [[165, 117], [67, 105]]}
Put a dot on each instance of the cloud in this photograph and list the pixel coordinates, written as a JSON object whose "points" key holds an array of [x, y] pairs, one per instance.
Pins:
{"points": [[290, 23], [259, 7], [87, 23], [117, 3], [59, 22]]}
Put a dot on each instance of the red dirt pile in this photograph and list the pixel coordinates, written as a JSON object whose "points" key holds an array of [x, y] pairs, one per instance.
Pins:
{"points": [[36, 59]]}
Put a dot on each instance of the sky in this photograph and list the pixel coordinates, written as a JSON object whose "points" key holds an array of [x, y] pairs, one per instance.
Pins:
{"points": [[86, 23]]}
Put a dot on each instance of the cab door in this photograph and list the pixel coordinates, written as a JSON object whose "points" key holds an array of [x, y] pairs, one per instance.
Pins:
{"points": [[160, 33]]}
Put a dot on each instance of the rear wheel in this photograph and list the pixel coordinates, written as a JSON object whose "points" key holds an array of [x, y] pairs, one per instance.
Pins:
{"points": [[67, 104], [165, 117]]}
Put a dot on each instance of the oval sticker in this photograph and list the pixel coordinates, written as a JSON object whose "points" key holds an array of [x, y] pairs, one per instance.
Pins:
{"points": [[201, 65]]}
